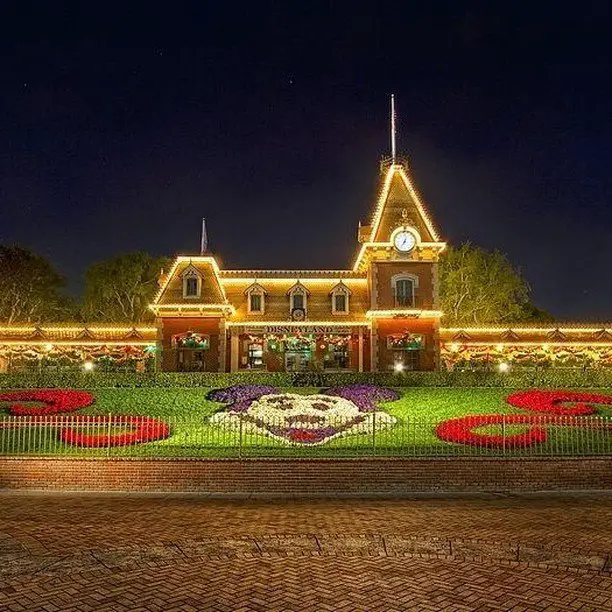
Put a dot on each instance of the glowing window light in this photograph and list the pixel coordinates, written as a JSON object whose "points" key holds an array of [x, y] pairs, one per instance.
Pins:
{"points": [[398, 366]]}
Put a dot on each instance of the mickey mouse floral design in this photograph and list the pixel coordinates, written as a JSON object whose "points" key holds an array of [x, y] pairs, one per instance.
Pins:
{"points": [[305, 420]]}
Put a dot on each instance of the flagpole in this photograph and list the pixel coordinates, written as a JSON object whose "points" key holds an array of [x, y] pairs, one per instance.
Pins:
{"points": [[393, 127], [204, 239]]}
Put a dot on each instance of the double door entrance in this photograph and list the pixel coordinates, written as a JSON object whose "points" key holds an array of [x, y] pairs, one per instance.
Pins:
{"points": [[298, 361]]}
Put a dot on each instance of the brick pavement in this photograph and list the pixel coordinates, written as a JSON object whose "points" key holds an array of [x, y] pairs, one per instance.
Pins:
{"points": [[66, 552]]}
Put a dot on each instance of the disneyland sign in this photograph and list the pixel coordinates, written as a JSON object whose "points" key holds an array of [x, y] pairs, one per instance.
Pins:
{"points": [[297, 329]]}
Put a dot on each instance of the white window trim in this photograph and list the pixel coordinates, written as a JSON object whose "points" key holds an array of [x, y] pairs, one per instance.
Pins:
{"points": [[404, 276], [298, 288], [192, 273], [256, 289], [340, 288]]}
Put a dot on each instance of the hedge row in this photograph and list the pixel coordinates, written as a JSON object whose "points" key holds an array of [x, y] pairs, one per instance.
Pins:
{"points": [[549, 378]]}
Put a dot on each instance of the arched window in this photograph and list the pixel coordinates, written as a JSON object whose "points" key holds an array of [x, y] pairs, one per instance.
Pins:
{"points": [[256, 297], [298, 297], [192, 283], [340, 298], [404, 286]]}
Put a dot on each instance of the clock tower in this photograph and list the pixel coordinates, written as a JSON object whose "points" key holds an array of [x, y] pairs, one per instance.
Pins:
{"points": [[399, 251]]}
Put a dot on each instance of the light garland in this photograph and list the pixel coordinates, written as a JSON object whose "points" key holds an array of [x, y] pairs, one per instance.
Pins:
{"points": [[182, 259], [71, 328], [399, 168], [377, 216], [229, 282], [577, 354], [261, 274], [77, 353], [419, 313], [249, 323], [605, 327], [199, 307], [545, 346], [100, 342], [436, 246]]}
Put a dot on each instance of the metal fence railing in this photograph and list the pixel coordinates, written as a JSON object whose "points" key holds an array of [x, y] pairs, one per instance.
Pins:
{"points": [[237, 435]]}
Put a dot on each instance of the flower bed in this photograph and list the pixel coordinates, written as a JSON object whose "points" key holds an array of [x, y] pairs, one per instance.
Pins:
{"points": [[62, 401], [304, 419], [143, 429], [552, 402], [56, 401], [461, 430]]}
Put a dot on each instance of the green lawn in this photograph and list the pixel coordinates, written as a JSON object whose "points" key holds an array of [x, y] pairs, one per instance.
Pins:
{"points": [[418, 411]]}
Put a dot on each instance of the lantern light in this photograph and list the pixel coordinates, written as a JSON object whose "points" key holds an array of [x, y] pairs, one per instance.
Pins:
{"points": [[88, 366], [398, 366], [503, 367]]}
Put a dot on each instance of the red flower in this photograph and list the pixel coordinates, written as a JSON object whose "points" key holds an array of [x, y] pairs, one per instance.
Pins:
{"points": [[552, 402], [460, 431], [55, 401], [143, 429]]}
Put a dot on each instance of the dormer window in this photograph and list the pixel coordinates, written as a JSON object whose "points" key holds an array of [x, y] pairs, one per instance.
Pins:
{"points": [[255, 302], [298, 298], [404, 286], [256, 296], [340, 299], [192, 283]]}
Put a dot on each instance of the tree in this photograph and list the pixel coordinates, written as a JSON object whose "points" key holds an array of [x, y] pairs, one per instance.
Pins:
{"points": [[30, 289], [120, 289], [480, 287]]}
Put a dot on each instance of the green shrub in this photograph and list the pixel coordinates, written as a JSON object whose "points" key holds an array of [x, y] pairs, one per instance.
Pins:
{"points": [[545, 378]]}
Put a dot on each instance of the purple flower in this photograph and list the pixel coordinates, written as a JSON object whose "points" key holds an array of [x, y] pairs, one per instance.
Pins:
{"points": [[364, 396], [240, 393]]}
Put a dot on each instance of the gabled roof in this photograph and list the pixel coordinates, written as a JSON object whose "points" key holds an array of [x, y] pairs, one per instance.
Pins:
{"points": [[398, 193], [190, 270], [255, 287], [399, 204], [171, 291], [297, 286], [340, 286]]}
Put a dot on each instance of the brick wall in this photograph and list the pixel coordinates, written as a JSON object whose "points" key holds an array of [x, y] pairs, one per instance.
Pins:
{"points": [[179, 325], [364, 476]]}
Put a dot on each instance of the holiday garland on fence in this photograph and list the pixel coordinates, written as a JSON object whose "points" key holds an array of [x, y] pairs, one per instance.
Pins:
{"points": [[457, 354], [70, 355]]}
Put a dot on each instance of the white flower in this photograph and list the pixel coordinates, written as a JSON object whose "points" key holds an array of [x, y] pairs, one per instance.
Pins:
{"points": [[304, 420]]}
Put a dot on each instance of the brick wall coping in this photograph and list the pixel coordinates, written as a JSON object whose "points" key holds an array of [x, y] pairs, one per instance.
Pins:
{"points": [[322, 460], [362, 477]]}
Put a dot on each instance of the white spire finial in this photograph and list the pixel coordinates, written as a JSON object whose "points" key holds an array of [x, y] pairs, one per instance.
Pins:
{"points": [[393, 127], [204, 238]]}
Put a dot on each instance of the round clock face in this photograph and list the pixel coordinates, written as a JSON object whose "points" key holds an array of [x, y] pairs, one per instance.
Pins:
{"points": [[298, 314], [404, 241]]}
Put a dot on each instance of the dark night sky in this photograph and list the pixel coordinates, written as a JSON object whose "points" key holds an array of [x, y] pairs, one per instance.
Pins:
{"points": [[119, 130]]}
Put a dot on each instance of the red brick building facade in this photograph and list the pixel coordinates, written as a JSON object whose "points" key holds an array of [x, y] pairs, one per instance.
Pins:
{"points": [[380, 314]]}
